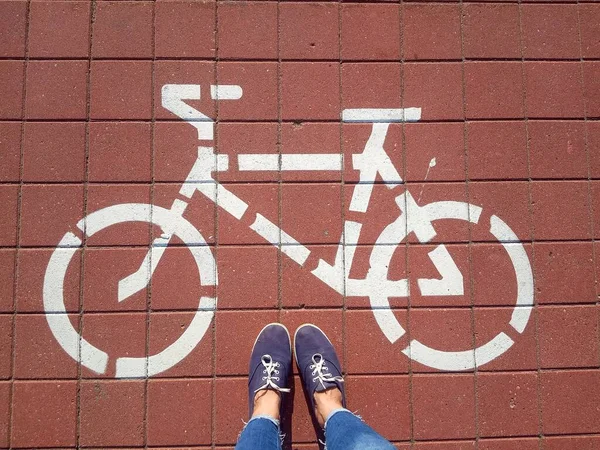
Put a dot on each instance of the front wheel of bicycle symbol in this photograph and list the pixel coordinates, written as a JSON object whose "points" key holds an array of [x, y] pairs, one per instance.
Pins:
{"points": [[174, 224], [381, 257]]}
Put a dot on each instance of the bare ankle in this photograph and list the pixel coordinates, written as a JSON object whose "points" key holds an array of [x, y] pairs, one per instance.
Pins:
{"points": [[266, 403], [326, 402]]}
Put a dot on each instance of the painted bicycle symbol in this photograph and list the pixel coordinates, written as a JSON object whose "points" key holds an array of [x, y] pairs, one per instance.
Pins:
{"points": [[373, 162]]}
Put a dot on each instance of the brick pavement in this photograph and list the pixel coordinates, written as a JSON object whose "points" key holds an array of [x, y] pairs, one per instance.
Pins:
{"points": [[510, 112]]}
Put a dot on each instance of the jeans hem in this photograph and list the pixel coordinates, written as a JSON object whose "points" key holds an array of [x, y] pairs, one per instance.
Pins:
{"points": [[333, 413], [264, 416]]}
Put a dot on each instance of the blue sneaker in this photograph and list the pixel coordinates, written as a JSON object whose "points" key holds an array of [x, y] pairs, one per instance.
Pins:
{"points": [[319, 366], [270, 362]]}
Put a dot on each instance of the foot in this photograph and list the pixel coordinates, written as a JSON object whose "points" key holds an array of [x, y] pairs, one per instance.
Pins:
{"points": [[320, 370], [326, 402], [267, 403], [270, 366]]}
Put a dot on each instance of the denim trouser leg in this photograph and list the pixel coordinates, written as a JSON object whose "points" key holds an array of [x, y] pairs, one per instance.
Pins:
{"points": [[345, 431], [261, 433]]}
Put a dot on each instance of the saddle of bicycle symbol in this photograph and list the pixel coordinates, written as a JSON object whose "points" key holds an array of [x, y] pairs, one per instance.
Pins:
{"points": [[372, 164]]}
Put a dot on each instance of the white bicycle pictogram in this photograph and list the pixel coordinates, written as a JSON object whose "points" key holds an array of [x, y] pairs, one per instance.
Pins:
{"points": [[373, 162]]}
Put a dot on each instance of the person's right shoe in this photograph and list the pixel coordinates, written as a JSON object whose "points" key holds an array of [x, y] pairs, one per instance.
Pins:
{"points": [[317, 361], [270, 363]]}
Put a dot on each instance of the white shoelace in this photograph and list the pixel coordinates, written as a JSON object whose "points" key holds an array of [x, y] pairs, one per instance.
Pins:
{"points": [[322, 371], [271, 373]]}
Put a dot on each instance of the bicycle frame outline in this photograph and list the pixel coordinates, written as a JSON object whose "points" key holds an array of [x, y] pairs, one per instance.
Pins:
{"points": [[373, 161]]}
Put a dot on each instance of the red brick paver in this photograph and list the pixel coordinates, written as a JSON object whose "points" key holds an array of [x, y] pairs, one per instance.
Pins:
{"points": [[509, 93]]}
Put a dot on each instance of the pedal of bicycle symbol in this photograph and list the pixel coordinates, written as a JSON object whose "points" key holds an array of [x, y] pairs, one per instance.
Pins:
{"points": [[373, 163]]}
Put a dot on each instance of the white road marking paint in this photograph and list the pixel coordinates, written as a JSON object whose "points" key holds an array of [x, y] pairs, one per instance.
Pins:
{"points": [[377, 282], [69, 240], [138, 280], [174, 353], [53, 293], [201, 172], [361, 196], [226, 92], [105, 217], [418, 219], [387, 321], [374, 115], [453, 210], [308, 162], [258, 162], [439, 359], [173, 96], [134, 283], [377, 286], [297, 253], [381, 256], [372, 161], [200, 179], [348, 242], [188, 189], [523, 272], [275, 235], [334, 275], [224, 198], [458, 361], [432, 164], [171, 222], [384, 316], [56, 314], [290, 162], [451, 283], [231, 202], [178, 207], [520, 316], [492, 349], [222, 163], [373, 284], [266, 229], [62, 329]]}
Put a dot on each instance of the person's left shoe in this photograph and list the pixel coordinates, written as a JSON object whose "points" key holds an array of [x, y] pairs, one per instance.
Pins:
{"points": [[318, 363], [270, 362]]}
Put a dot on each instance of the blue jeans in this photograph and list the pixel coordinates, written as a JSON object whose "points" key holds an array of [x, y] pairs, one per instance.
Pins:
{"points": [[343, 431]]}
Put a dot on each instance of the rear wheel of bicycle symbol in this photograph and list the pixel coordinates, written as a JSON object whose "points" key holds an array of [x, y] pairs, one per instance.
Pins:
{"points": [[174, 224], [87, 354]]}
